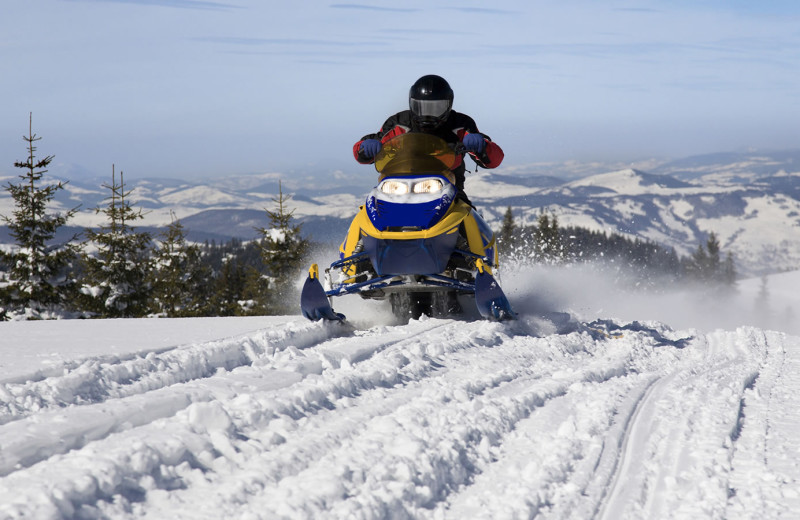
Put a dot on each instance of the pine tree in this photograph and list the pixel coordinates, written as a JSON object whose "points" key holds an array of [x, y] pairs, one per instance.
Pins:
{"points": [[117, 276], [229, 286], [714, 266], [256, 299], [706, 266], [729, 271], [507, 239], [283, 253], [547, 239], [39, 271], [181, 282]]}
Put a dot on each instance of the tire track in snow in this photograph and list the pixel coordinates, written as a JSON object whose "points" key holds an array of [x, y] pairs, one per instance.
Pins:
{"points": [[92, 426], [98, 379], [687, 415], [366, 428], [767, 443], [370, 390], [612, 490], [550, 461], [443, 433]]}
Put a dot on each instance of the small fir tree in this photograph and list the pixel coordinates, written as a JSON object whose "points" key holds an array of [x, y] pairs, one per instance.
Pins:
{"points": [[508, 233], [39, 280], [705, 265], [547, 239], [180, 280], [283, 251], [229, 287], [255, 293], [117, 275]]}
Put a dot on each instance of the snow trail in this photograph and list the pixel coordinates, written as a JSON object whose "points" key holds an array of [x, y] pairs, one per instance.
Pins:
{"points": [[433, 419]]}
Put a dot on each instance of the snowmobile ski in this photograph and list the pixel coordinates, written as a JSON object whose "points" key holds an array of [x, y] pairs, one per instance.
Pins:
{"points": [[490, 298], [313, 300]]}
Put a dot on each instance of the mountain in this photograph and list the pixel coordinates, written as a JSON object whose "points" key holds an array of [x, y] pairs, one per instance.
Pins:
{"points": [[735, 166], [750, 200], [758, 222]]}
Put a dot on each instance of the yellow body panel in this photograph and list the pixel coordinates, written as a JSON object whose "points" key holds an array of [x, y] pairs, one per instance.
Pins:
{"points": [[459, 212]]}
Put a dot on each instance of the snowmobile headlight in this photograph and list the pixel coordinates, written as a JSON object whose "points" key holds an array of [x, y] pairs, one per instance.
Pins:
{"points": [[394, 188], [428, 186]]}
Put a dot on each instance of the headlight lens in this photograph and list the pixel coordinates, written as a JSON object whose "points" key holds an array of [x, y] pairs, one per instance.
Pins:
{"points": [[428, 186], [394, 188]]}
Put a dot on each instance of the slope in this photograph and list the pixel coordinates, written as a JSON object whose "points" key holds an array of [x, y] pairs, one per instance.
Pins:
{"points": [[434, 419]]}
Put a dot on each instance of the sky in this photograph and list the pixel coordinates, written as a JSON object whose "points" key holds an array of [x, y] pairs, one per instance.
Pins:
{"points": [[198, 89]]}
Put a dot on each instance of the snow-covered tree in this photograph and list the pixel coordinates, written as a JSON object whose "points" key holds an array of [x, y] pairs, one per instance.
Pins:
{"points": [[256, 300], [283, 251], [507, 238], [117, 274], [228, 297], [181, 282], [547, 239], [38, 282], [706, 266]]}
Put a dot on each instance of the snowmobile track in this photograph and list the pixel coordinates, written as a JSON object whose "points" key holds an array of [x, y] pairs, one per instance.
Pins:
{"points": [[435, 419]]}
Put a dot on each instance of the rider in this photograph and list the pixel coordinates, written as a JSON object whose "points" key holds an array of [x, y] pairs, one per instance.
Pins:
{"points": [[430, 110]]}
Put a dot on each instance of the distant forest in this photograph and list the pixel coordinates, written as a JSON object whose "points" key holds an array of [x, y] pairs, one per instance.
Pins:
{"points": [[642, 263]]}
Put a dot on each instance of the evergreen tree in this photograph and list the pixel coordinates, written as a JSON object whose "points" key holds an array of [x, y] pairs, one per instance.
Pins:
{"points": [[547, 239], [39, 278], [117, 275], [283, 251], [228, 294], [256, 299], [714, 266], [705, 264], [729, 271], [181, 282], [507, 239]]}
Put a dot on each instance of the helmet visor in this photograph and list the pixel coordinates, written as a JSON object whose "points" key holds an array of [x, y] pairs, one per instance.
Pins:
{"points": [[429, 107]]}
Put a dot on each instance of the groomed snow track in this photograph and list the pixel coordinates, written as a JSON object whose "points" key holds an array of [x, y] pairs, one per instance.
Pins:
{"points": [[434, 419]]}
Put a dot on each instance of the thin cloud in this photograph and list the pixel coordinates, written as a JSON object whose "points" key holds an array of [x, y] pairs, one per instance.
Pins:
{"points": [[374, 8], [243, 41], [178, 4], [603, 50], [644, 10], [483, 10], [425, 31]]}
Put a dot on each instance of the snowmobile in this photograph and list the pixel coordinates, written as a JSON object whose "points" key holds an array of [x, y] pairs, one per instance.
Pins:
{"points": [[414, 242]]}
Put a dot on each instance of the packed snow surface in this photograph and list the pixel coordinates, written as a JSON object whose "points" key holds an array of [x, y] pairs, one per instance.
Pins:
{"points": [[585, 417]]}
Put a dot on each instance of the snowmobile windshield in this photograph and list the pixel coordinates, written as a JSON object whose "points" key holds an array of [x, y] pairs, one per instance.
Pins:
{"points": [[416, 153]]}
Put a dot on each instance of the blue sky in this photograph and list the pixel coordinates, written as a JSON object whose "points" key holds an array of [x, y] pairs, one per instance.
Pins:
{"points": [[194, 88]]}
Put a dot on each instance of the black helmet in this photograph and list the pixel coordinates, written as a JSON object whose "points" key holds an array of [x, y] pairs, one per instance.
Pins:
{"points": [[430, 100]]}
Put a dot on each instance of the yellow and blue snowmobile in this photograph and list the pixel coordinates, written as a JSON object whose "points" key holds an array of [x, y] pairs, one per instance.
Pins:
{"points": [[413, 242]]}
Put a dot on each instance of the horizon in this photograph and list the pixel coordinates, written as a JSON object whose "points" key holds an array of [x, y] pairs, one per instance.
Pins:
{"points": [[198, 89]]}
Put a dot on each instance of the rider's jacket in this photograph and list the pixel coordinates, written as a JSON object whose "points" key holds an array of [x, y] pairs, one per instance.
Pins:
{"points": [[452, 130]]}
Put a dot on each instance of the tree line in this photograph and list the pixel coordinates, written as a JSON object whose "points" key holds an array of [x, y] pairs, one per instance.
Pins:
{"points": [[639, 262], [118, 271]]}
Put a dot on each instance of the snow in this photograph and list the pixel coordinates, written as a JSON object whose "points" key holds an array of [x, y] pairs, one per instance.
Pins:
{"points": [[634, 408]]}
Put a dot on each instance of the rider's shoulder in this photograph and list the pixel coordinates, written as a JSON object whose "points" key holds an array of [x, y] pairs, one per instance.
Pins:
{"points": [[460, 119]]}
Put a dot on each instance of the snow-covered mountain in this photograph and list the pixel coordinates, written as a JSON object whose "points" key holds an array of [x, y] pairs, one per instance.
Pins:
{"points": [[759, 221], [278, 417], [751, 201]]}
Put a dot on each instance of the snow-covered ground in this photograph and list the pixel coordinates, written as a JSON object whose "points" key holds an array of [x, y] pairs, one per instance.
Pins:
{"points": [[635, 408]]}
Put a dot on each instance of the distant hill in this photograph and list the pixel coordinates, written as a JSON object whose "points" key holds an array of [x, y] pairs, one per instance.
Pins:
{"points": [[750, 200]]}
